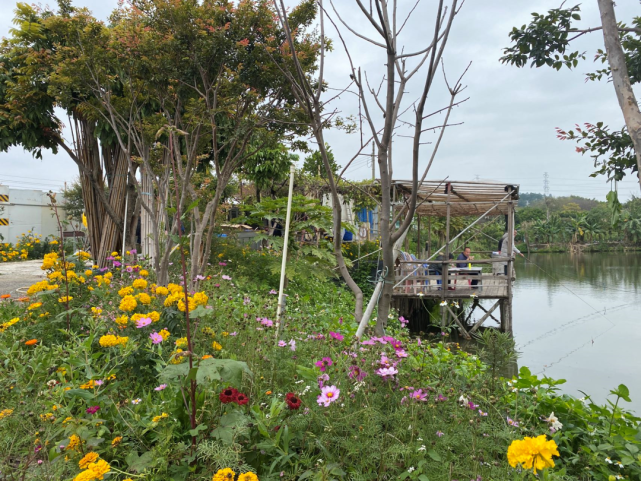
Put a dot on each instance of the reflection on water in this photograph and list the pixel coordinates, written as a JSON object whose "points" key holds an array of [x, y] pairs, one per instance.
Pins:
{"points": [[578, 317]]}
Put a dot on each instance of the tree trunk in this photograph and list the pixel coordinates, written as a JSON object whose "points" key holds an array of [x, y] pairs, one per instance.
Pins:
{"points": [[620, 77], [111, 234]]}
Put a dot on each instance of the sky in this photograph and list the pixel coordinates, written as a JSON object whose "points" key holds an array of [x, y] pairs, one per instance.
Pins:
{"points": [[507, 127]]}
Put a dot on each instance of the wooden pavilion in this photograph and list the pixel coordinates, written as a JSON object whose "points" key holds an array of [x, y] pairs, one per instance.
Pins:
{"points": [[426, 276]]}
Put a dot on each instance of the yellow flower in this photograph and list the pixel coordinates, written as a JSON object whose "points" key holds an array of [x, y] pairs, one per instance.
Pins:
{"points": [[165, 334], [182, 342], [139, 284], [99, 468], [200, 299], [224, 475], [216, 346], [96, 311], [6, 325], [84, 220], [5, 413], [177, 358], [110, 340], [122, 320], [153, 315], [144, 272], [74, 442], [116, 441], [532, 453], [162, 291], [87, 475], [88, 385], [88, 273], [181, 304], [87, 459], [65, 299], [157, 419], [125, 291], [144, 298], [248, 477], [128, 303]]}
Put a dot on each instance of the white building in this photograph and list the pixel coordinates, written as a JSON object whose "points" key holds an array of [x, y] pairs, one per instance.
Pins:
{"points": [[24, 210]]}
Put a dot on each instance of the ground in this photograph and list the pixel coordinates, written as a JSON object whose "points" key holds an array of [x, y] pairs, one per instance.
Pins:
{"points": [[16, 275]]}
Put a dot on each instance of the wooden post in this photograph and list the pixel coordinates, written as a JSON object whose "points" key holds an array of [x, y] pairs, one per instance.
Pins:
{"points": [[419, 250], [429, 236], [510, 267], [445, 269]]}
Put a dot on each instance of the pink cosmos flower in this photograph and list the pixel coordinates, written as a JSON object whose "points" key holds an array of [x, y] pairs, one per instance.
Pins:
{"points": [[441, 398], [322, 379], [398, 345], [369, 342], [357, 373], [273, 291], [160, 388], [401, 353], [282, 343], [225, 277], [512, 422], [404, 322], [472, 406], [99, 382], [419, 395], [222, 264], [387, 372], [93, 409], [155, 338], [328, 395], [324, 363], [233, 333], [129, 269], [440, 434], [337, 335], [292, 344], [246, 301], [266, 322], [142, 322], [117, 264], [200, 278]]}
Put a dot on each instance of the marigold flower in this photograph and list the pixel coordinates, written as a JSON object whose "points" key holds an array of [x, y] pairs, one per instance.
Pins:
{"points": [[128, 303], [144, 298], [110, 340], [164, 333], [74, 442], [99, 468], [248, 477], [125, 291], [143, 272], [532, 453], [87, 459], [116, 441], [5, 296], [224, 475], [31, 342], [122, 320], [5, 413], [216, 346], [139, 284], [157, 419], [162, 291], [35, 305], [65, 299]]}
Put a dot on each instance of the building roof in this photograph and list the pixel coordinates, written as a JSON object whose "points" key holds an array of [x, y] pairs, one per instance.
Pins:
{"points": [[466, 198]]}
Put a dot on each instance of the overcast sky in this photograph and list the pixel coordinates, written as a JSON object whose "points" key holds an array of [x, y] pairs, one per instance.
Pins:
{"points": [[508, 123]]}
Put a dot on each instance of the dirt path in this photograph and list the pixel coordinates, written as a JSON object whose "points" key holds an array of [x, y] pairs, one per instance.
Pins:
{"points": [[14, 275]]}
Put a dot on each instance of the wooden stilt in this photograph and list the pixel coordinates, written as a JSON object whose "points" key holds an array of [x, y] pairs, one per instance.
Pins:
{"points": [[458, 322], [485, 316]]}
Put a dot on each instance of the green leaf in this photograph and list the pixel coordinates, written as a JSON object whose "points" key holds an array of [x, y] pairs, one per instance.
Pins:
{"points": [[137, 463], [229, 371], [197, 430], [81, 393], [230, 424], [422, 477], [434, 455], [174, 371]]}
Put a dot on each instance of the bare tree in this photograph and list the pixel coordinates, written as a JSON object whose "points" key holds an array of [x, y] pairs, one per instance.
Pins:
{"points": [[388, 100]]}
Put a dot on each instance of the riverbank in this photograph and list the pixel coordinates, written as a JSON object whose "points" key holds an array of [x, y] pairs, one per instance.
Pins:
{"points": [[564, 248], [114, 369]]}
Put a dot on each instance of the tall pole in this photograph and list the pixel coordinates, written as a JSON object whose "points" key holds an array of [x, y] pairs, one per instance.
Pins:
{"points": [[445, 268], [124, 228], [373, 164], [281, 296]]}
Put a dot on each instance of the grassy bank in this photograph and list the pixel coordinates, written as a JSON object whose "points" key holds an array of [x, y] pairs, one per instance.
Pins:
{"points": [[95, 383]]}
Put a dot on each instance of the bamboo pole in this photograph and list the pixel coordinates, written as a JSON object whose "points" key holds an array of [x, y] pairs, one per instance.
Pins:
{"points": [[281, 288]]}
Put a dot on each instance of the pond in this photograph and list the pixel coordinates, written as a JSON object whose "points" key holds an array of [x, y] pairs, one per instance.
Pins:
{"points": [[578, 317]]}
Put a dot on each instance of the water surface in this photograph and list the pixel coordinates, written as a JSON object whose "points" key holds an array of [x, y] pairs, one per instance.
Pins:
{"points": [[578, 317]]}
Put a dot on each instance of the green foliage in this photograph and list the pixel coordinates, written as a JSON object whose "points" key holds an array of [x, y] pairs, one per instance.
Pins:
{"points": [[315, 166]]}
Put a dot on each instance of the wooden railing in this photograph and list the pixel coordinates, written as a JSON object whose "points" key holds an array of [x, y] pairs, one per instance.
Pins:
{"points": [[422, 277]]}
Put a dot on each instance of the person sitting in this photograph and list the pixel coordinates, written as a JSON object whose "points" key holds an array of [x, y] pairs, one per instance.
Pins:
{"points": [[465, 256]]}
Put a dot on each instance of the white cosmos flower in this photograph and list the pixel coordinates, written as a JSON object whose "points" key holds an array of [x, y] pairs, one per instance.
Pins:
{"points": [[411, 468]]}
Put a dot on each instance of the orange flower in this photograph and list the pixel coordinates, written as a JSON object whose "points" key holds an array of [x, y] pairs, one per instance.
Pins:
{"points": [[5, 296], [31, 342], [23, 299]]}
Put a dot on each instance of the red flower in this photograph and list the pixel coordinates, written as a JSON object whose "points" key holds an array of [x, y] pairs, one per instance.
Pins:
{"points": [[228, 395], [241, 399], [293, 402]]}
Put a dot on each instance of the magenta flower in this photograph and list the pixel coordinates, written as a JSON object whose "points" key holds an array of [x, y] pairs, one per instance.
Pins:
{"points": [[321, 380], [357, 373], [93, 410], [337, 335], [398, 345], [266, 322], [441, 398], [401, 353], [99, 382], [225, 277], [387, 372], [129, 269], [328, 395], [142, 322], [369, 342], [324, 363], [472, 406], [117, 264], [419, 395], [155, 338], [282, 343], [440, 434], [404, 322], [273, 291], [222, 264], [512, 422], [160, 388]]}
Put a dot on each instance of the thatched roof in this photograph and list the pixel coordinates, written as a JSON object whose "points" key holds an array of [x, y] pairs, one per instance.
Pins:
{"points": [[466, 198]]}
